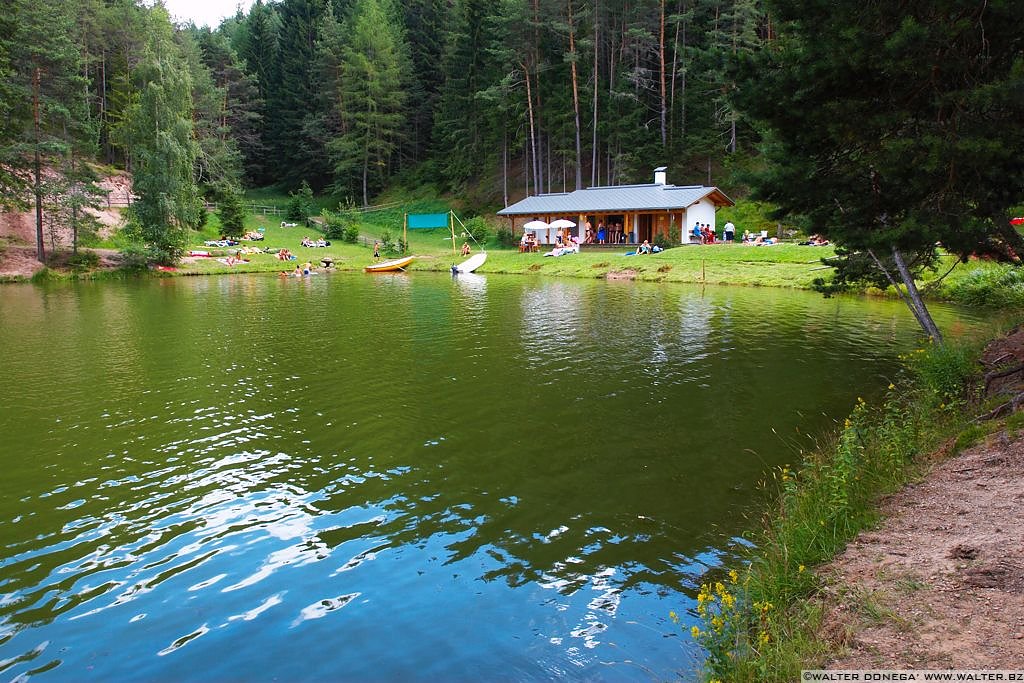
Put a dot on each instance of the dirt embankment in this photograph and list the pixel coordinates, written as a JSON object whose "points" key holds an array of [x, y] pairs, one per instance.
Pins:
{"points": [[940, 583], [18, 231]]}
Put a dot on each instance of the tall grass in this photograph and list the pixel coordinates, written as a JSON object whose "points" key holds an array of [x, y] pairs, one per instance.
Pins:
{"points": [[761, 623], [993, 286]]}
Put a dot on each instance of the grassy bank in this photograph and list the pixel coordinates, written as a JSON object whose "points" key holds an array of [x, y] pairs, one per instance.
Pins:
{"points": [[761, 621], [785, 265]]}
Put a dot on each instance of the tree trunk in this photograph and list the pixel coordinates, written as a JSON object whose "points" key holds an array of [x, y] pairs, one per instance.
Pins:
{"points": [[537, 189], [575, 100], [593, 152], [918, 307], [682, 91], [366, 170], [911, 298], [672, 78], [38, 168], [504, 165], [664, 94]]}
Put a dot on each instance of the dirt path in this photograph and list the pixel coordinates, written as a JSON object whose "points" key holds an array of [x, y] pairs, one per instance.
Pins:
{"points": [[940, 583]]}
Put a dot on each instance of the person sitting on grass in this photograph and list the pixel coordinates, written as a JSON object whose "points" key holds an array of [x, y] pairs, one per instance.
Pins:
{"points": [[644, 248], [465, 249]]}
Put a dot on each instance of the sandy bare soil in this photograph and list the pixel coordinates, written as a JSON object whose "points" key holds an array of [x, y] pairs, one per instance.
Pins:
{"points": [[18, 231], [940, 583]]}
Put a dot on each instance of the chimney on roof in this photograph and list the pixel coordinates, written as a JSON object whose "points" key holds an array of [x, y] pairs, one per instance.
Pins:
{"points": [[659, 175]]}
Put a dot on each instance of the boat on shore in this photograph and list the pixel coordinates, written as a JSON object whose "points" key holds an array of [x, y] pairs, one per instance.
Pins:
{"points": [[389, 266]]}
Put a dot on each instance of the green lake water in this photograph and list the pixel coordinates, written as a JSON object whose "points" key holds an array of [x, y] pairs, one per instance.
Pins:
{"points": [[397, 477]]}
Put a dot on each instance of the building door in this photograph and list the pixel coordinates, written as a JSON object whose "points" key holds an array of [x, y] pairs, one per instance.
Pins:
{"points": [[645, 231]]}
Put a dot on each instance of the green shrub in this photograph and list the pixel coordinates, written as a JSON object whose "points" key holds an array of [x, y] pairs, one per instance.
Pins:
{"points": [[662, 242], [943, 370], [134, 256], [301, 205], [351, 233], [334, 227], [991, 288], [506, 238], [84, 260], [478, 229], [387, 242], [43, 275]]}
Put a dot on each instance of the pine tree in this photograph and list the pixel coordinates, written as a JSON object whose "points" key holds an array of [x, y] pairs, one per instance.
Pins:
{"points": [[241, 106], [293, 94], [423, 21], [896, 126], [374, 70], [46, 115], [231, 212], [459, 125], [219, 162]]}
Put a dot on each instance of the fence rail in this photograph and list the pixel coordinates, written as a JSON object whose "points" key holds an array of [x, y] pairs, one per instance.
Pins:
{"points": [[266, 210]]}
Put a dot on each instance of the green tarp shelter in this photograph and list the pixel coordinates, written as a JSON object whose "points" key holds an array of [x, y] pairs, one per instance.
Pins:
{"points": [[426, 220]]}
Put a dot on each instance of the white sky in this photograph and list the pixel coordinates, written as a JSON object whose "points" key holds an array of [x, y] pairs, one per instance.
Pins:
{"points": [[204, 12]]}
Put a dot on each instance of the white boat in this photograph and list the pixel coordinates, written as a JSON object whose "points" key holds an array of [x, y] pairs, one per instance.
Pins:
{"points": [[471, 264]]}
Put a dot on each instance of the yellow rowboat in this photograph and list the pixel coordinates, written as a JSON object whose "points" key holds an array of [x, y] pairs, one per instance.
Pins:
{"points": [[388, 266]]}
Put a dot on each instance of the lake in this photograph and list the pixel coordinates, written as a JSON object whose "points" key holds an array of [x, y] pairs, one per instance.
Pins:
{"points": [[398, 477]]}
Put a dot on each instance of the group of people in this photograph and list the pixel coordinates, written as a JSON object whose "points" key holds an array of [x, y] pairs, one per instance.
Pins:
{"points": [[704, 234], [222, 242], [645, 248], [758, 240], [612, 234], [562, 246], [528, 242], [253, 236], [300, 271], [286, 255], [306, 242]]}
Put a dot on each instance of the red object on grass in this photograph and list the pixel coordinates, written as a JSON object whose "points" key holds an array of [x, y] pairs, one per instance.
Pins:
{"points": [[1016, 221]]}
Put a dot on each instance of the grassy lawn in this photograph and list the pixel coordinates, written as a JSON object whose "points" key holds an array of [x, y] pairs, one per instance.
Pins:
{"points": [[783, 265]]}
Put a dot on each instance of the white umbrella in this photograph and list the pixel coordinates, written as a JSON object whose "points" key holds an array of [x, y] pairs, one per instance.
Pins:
{"points": [[562, 223], [536, 225]]}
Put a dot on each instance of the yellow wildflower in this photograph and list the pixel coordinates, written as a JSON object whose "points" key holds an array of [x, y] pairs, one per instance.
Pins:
{"points": [[891, 385], [801, 569], [733, 576], [695, 632]]}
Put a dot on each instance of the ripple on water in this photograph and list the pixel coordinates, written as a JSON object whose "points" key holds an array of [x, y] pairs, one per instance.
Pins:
{"points": [[518, 477]]}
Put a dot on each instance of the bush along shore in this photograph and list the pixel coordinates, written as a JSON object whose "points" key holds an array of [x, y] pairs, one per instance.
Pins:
{"points": [[764, 619]]}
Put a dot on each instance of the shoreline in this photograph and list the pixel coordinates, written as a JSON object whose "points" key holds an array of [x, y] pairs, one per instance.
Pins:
{"points": [[782, 267], [897, 545]]}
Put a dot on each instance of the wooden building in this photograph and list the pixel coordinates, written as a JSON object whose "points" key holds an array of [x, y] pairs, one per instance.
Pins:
{"points": [[631, 212]]}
